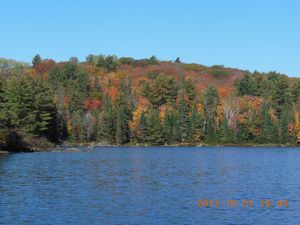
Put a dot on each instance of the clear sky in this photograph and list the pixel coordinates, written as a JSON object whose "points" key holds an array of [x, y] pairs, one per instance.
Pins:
{"points": [[259, 35]]}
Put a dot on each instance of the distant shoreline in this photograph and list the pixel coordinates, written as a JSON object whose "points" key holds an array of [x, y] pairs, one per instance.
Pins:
{"points": [[73, 147], [92, 144]]}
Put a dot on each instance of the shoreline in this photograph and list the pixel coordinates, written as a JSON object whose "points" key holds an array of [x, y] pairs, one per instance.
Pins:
{"points": [[93, 145], [73, 147]]}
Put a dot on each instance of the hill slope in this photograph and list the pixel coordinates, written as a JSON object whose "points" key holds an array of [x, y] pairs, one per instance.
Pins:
{"points": [[122, 100]]}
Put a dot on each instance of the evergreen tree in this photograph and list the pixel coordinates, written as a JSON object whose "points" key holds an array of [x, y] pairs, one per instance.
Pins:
{"points": [[108, 129], [96, 134], [268, 128], [125, 97], [283, 125], [245, 135], [251, 84], [142, 129], [154, 128], [122, 131], [77, 85], [184, 110], [282, 96], [43, 107], [172, 126], [189, 90], [58, 128], [56, 77], [19, 105], [267, 88], [30, 108], [36, 60], [3, 116], [210, 103], [194, 132], [124, 108], [295, 90], [76, 98], [177, 60], [163, 90]]}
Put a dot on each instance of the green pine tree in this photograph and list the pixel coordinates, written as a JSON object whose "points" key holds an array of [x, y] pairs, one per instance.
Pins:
{"points": [[122, 130], [184, 111], [108, 128], [172, 126], [194, 129], [36, 60], [268, 128], [43, 107], [154, 128], [3, 113], [189, 91], [142, 129], [210, 103], [283, 125], [20, 106], [281, 96]]}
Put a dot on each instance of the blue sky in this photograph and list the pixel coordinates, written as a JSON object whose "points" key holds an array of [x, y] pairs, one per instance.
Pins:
{"points": [[259, 35]]}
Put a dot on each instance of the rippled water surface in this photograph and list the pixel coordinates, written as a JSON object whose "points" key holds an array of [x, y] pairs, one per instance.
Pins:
{"points": [[150, 186]]}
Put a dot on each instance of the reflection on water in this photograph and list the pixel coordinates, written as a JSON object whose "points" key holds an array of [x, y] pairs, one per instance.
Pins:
{"points": [[149, 186]]}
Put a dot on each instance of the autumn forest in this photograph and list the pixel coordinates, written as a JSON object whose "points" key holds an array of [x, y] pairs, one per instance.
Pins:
{"points": [[108, 100]]}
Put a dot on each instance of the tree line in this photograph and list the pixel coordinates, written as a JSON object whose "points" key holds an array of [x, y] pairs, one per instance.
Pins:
{"points": [[69, 101]]}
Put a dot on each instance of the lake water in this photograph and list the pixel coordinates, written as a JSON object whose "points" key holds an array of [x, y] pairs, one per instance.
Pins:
{"points": [[151, 186]]}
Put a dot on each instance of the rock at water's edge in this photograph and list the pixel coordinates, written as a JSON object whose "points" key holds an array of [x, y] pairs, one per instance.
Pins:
{"points": [[72, 150]]}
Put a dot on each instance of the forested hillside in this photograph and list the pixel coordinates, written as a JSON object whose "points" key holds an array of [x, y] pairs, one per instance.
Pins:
{"points": [[110, 100]]}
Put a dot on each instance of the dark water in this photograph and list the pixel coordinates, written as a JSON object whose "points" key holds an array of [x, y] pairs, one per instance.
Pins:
{"points": [[150, 186]]}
